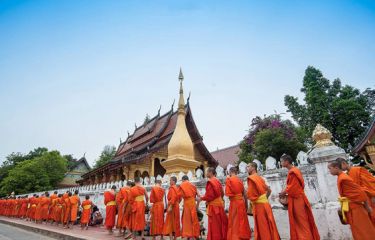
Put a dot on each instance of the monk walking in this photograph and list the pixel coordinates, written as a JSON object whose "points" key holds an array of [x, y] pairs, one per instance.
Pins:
{"points": [[74, 203], [127, 210], [139, 195], [38, 209], [52, 207], [59, 209], [354, 205], [258, 193], [190, 222], [45, 202], [110, 208], [120, 206], [172, 220], [301, 219], [217, 219], [363, 178], [67, 210], [23, 210], [86, 212], [157, 210], [238, 223]]}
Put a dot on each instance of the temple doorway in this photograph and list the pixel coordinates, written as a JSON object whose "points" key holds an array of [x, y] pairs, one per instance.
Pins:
{"points": [[158, 168]]}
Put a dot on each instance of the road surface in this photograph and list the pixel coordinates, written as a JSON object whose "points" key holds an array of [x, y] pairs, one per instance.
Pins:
{"points": [[8, 232]]}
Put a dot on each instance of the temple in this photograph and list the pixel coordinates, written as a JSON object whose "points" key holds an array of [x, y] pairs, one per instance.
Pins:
{"points": [[365, 146], [165, 144]]}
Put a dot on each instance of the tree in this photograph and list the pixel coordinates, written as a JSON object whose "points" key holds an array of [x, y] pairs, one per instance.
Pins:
{"points": [[344, 110], [37, 174], [271, 136], [107, 154]]}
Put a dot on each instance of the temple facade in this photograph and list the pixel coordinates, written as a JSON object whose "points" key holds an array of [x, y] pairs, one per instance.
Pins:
{"points": [[165, 144], [365, 146]]}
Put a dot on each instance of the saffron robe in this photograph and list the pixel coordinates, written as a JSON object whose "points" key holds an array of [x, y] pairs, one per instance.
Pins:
{"points": [[67, 209], [74, 203], [86, 211], [265, 225], [110, 209], [157, 211], [38, 210], [138, 221], [301, 219], [217, 219], [22, 212], [367, 182], [238, 223], [190, 222], [126, 217], [52, 207], [358, 218], [45, 202], [120, 206], [172, 220], [32, 209], [59, 210]]}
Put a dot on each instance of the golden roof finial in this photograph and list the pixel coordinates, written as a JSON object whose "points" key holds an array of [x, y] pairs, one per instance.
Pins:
{"points": [[181, 101], [322, 136]]}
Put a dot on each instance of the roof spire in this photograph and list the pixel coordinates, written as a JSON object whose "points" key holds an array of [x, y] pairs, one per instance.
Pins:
{"points": [[181, 102]]}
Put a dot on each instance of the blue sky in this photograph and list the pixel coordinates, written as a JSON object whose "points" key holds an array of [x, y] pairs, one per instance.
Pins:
{"points": [[77, 75]]}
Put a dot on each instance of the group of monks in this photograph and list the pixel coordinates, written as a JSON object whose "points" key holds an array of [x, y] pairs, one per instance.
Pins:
{"points": [[55, 209], [130, 204]]}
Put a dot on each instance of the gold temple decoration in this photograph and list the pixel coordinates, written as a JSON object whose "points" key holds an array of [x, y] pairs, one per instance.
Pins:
{"points": [[322, 137], [370, 149], [180, 148]]}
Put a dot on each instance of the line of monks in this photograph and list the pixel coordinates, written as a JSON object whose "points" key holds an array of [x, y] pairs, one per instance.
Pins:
{"points": [[130, 205], [55, 209]]}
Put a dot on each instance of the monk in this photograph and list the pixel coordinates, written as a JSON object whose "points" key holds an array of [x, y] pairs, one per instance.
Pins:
{"points": [[67, 210], [74, 203], [354, 205], [24, 204], [120, 207], [86, 212], [363, 178], [52, 207], [217, 219], [59, 209], [258, 193], [190, 222], [139, 195], [157, 210], [45, 202], [238, 223], [172, 220], [127, 210], [110, 208], [32, 208], [38, 210], [301, 219]]}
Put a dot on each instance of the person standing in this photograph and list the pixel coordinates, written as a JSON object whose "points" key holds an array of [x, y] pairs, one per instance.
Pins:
{"points": [[139, 195], [157, 210], [258, 193], [74, 203], [86, 212], [238, 223], [301, 219], [217, 219], [110, 208], [172, 219]]}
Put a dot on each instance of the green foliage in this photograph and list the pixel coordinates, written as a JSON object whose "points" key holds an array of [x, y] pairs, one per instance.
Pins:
{"points": [[344, 110], [271, 136], [107, 154], [40, 173]]}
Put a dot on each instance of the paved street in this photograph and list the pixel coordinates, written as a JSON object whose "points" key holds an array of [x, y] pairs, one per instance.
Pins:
{"points": [[8, 232]]}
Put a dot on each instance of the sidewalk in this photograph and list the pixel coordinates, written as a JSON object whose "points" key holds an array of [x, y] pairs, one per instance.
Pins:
{"points": [[93, 233]]}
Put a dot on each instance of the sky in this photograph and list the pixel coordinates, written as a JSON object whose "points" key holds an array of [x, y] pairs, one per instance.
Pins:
{"points": [[77, 75]]}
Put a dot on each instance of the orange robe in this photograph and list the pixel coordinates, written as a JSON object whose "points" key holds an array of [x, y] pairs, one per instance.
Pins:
{"points": [[120, 206], [67, 209], [357, 217], [59, 210], [238, 223], [110, 209], [32, 208], [217, 219], [126, 218], [52, 207], [138, 208], [86, 211], [74, 203], [157, 211], [38, 210], [265, 225], [45, 202], [367, 182], [301, 219], [24, 203], [172, 220], [190, 222]]}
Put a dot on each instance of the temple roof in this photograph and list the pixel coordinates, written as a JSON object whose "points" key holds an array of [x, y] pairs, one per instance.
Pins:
{"points": [[365, 138], [153, 135], [228, 155]]}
